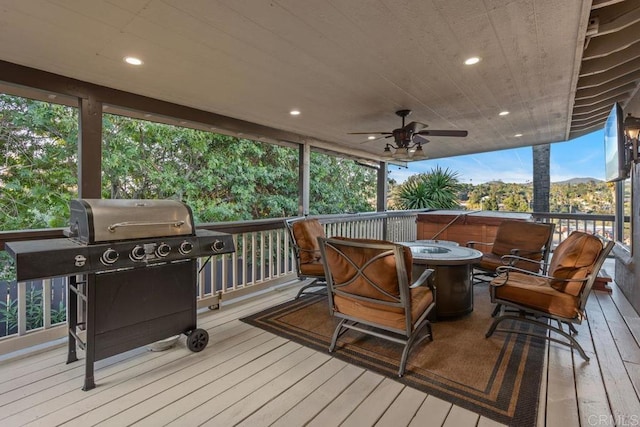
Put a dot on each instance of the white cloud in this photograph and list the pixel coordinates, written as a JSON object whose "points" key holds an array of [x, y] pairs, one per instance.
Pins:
{"points": [[579, 158]]}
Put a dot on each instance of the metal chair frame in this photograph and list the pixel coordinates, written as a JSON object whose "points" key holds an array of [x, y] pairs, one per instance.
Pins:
{"points": [[316, 281], [529, 315], [516, 254], [409, 336]]}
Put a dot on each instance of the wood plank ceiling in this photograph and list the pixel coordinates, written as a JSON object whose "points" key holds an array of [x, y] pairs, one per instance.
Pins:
{"points": [[349, 65], [610, 69]]}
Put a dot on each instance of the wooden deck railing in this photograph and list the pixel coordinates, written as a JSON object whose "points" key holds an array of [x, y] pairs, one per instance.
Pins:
{"points": [[263, 259], [601, 225], [31, 313]]}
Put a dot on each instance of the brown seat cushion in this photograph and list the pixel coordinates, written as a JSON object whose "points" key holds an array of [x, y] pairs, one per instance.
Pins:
{"points": [[574, 258], [393, 317], [383, 271], [306, 233], [384, 274], [536, 293], [315, 268], [528, 237], [492, 261]]}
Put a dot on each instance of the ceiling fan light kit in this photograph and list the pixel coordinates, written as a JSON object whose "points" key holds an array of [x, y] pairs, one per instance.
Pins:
{"points": [[409, 139]]}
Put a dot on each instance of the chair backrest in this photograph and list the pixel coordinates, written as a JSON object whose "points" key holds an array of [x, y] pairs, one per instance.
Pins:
{"points": [[531, 239], [304, 233], [375, 272], [579, 256]]}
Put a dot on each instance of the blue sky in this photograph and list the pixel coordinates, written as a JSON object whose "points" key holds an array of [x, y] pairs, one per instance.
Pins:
{"points": [[579, 158]]}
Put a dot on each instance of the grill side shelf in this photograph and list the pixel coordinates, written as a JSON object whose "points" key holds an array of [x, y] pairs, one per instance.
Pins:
{"points": [[41, 259]]}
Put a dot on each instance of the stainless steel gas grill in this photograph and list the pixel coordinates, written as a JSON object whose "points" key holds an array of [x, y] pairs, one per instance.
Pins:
{"points": [[132, 264]]}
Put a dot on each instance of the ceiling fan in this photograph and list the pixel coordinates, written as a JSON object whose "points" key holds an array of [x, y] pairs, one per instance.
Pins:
{"points": [[409, 138]]}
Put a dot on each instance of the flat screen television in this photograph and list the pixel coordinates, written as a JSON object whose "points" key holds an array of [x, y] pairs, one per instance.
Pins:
{"points": [[615, 152]]}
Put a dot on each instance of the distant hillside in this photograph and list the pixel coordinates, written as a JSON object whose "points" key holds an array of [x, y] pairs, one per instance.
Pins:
{"points": [[578, 181]]}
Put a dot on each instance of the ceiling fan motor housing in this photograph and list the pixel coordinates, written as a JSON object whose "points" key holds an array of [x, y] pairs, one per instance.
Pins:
{"points": [[403, 137]]}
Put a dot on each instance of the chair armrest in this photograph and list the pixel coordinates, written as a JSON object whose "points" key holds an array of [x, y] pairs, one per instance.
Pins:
{"points": [[504, 270], [422, 280], [472, 243], [520, 252], [308, 250], [512, 259]]}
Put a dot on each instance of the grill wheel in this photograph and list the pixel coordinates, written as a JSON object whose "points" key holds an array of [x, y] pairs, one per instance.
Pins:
{"points": [[197, 340]]}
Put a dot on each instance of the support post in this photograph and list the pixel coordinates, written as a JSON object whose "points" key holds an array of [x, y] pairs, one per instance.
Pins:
{"points": [[304, 178], [381, 195], [90, 149]]}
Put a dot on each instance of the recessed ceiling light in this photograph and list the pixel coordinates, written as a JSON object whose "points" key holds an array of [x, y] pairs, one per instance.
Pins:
{"points": [[472, 60], [371, 137], [294, 112], [518, 135], [503, 113], [133, 60]]}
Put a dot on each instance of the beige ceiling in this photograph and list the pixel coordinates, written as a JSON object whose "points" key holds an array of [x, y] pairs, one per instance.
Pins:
{"points": [[347, 65]]}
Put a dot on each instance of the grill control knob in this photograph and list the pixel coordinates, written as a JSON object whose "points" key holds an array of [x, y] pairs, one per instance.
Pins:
{"points": [[218, 245], [185, 247], [109, 256], [137, 253], [163, 250]]}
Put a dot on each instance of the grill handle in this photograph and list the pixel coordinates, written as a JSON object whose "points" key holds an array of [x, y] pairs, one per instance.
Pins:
{"points": [[112, 228]]}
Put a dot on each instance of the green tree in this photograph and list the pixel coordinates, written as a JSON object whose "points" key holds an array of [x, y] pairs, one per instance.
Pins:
{"points": [[340, 186], [436, 189], [38, 174], [222, 178], [515, 202]]}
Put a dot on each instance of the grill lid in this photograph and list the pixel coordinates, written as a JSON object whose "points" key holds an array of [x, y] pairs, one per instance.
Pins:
{"points": [[107, 220]]}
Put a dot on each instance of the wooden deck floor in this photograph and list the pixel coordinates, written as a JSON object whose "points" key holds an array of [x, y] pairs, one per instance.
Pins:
{"points": [[249, 377]]}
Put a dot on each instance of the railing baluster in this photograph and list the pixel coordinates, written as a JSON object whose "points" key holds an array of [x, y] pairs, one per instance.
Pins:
{"points": [[254, 262], [262, 257], [262, 269], [202, 273], [22, 308], [279, 258], [244, 257], [46, 303]]}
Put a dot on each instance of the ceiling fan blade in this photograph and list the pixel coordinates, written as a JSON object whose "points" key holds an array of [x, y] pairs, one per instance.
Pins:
{"points": [[376, 139], [443, 132], [370, 133], [420, 140], [415, 126]]}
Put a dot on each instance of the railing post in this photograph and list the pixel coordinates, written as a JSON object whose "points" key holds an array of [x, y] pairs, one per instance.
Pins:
{"points": [[385, 228]]}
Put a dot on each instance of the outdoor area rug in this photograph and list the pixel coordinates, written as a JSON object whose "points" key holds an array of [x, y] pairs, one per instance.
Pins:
{"points": [[498, 377]]}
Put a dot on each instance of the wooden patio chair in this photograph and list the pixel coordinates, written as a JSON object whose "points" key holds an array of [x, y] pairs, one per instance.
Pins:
{"points": [[368, 283], [303, 234], [530, 241], [560, 296]]}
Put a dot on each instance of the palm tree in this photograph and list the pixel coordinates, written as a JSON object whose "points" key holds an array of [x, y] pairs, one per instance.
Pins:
{"points": [[436, 189]]}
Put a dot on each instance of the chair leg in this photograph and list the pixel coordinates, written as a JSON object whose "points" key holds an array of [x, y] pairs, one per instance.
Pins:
{"points": [[315, 284], [411, 342], [572, 343], [496, 310], [338, 331], [405, 355]]}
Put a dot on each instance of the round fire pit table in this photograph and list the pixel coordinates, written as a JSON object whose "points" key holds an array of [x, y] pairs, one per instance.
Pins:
{"points": [[452, 265]]}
